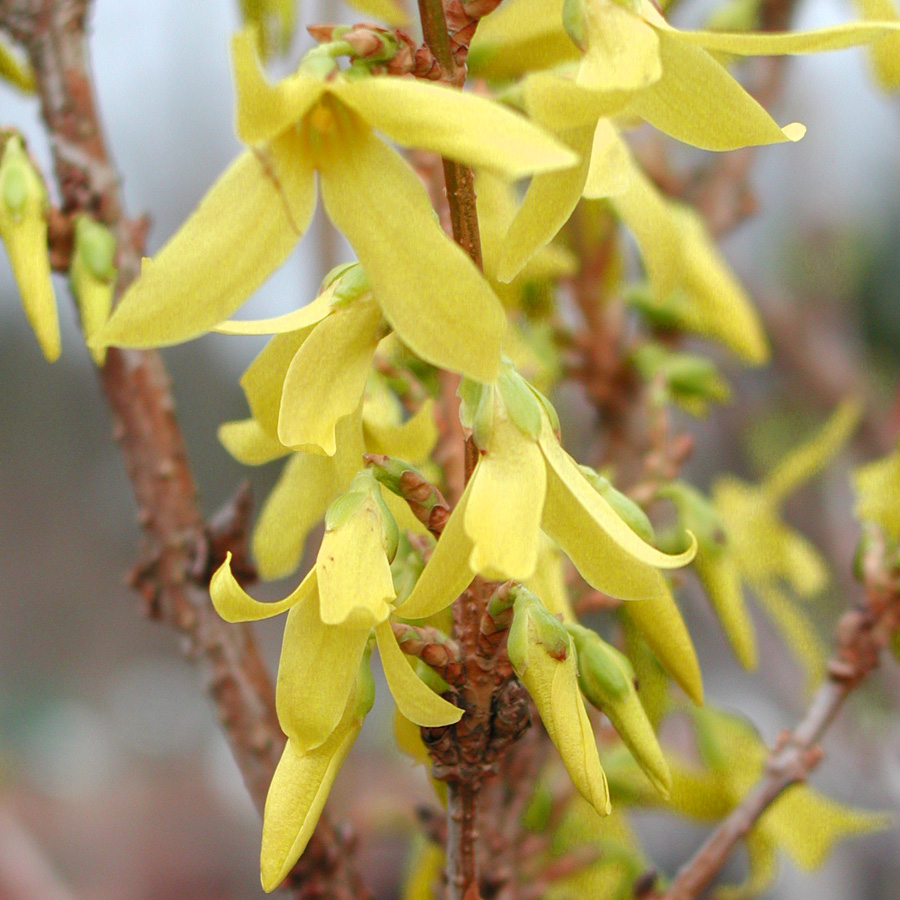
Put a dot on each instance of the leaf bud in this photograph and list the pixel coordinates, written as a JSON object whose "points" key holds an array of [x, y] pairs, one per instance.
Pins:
{"points": [[92, 278], [23, 230]]}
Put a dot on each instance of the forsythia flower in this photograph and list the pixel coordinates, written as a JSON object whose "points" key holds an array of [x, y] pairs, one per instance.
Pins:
{"points": [[322, 120], [524, 482], [805, 824], [763, 551], [877, 488]]}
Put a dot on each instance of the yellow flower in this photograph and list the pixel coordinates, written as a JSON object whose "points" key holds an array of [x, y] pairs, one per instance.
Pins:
{"points": [[524, 482], [332, 613], [877, 488], [311, 480], [321, 120], [802, 822]]}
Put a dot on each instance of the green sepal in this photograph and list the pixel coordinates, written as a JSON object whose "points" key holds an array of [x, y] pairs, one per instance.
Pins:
{"points": [[343, 508], [523, 407], [603, 672]]}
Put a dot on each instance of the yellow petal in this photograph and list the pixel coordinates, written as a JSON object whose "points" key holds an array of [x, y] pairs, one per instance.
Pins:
{"points": [[698, 102], [762, 862], [457, 125], [812, 456], [797, 631], [610, 170], [244, 228], [382, 209], [385, 10], [775, 43], [559, 104], [26, 246], [265, 110], [520, 36], [447, 573], [234, 604], [316, 674], [659, 621], [686, 269], [722, 582], [307, 485], [623, 51], [297, 794], [302, 319], [572, 492], [877, 488], [548, 204], [413, 697], [884, 54], [246, 441], [413, 440], [327, 376], [15, 71], [503, 513], [808, 825], [263, 380], [355, 585], [548, 581]]}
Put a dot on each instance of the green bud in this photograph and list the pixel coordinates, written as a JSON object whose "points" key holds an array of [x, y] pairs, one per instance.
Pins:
{"points": [[92, 277], [14, 189], [627, 510], [604, 674], [521, 404], [533, 624]]}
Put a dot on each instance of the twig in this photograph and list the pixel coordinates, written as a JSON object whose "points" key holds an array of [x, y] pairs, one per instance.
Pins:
{"points": [[861, 635], [25, 873], [136, 386]]}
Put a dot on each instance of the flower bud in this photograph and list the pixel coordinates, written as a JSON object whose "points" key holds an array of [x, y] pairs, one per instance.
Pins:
{"points": [[543, 656], [23, 229], [92, 278], [606, 678]]}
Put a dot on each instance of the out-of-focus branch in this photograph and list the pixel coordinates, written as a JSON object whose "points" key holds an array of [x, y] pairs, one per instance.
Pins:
{"points": [[177, 545], [861, 635], [25, 873]]}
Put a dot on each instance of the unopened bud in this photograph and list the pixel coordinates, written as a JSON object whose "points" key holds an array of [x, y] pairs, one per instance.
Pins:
{"points": [[23, 230], [92, 278], [604, 673]]}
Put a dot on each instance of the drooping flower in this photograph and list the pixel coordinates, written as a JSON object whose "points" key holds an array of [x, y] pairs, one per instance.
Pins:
{"points": [[523, 483], [321, 120], [331, 615]]}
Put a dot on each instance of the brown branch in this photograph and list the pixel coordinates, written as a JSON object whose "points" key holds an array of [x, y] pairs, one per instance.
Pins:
{"points": [[861, 636], [176, 541]]}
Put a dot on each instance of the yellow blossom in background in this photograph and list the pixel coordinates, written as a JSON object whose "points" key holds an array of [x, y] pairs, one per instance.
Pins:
{"points": [[877, 486], [767, 553], [320, 121], [884, 54], [803, 823]]}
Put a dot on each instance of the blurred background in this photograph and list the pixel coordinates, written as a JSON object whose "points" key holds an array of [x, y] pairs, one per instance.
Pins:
{"points": [[115, 783]]}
